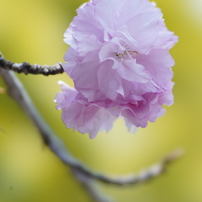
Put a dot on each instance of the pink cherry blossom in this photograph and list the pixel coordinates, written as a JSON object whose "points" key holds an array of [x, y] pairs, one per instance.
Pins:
{"points": [[120, 64]]}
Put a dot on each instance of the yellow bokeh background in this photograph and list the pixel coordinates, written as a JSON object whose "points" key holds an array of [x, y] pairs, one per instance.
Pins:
{"points": [[32, 31]]}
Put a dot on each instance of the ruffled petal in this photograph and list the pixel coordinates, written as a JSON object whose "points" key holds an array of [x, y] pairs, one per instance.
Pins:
{"points": [[144, 28], [85, 73], [109, 81], [132, 71], [158, 63]]}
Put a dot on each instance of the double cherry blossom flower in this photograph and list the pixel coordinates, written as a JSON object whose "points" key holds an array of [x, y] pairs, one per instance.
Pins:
{"points": [[120, 64]]}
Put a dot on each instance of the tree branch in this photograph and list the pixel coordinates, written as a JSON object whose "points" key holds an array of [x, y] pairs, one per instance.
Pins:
{"points": [[81, 171], [26, 68], [16, 90]]}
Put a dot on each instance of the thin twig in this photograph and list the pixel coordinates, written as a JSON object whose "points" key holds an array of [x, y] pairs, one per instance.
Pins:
{"points": [[26, 68], [81, 172], [143, 176], [17, 92]]}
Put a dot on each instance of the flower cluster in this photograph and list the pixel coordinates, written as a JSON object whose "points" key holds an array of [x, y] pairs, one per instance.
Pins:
{"points": [[120, 64]]}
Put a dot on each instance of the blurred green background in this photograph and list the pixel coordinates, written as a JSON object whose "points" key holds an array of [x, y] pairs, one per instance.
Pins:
{"points": [[32, 31]]}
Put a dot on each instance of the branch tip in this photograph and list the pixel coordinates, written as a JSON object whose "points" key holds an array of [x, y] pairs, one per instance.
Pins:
{"points": [[173, 156]]}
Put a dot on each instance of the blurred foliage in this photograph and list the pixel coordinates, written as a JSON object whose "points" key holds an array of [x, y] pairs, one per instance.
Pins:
{"points": [[32, 31]]}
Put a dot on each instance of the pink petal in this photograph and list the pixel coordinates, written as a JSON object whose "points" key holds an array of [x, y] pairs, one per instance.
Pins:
{"points": [[109, 81], [132, 71], [144, 29], [158, 63], [85, 73]]}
